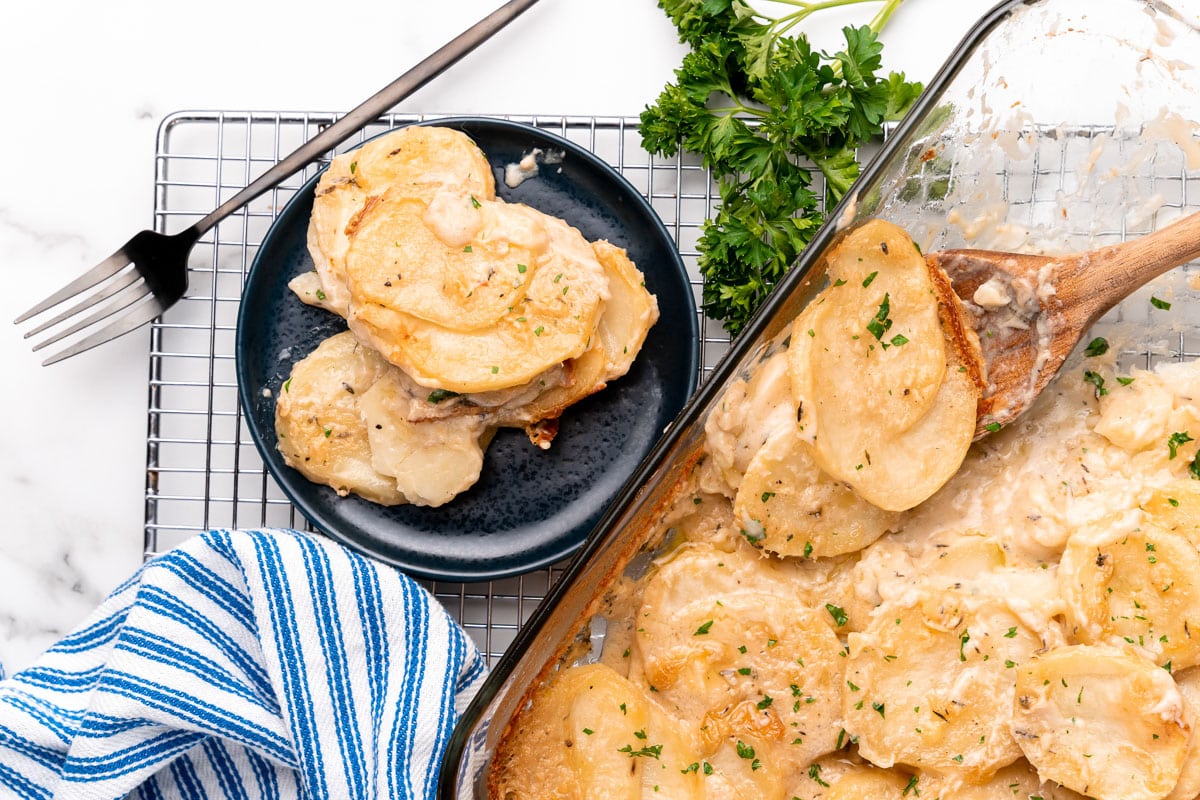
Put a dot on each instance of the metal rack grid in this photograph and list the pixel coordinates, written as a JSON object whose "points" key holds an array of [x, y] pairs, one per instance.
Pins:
{"points": [[203, 470]]}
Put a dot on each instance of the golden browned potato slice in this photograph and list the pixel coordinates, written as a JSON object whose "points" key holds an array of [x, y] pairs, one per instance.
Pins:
{"points": [[929, 684], [787, 505], [340, 421], [871, 783], [585, 376], [629, 313], [431, 462], [885, 394], [880, 302], [317, 421], [1134, 584], [1176, 507], [399, 258], [419, 160], [628, 316], [758, 666], [618, 744], [1017, 781], [589, 735], [1103, 721], [1188, 785], [892, 468], [555, 321]]}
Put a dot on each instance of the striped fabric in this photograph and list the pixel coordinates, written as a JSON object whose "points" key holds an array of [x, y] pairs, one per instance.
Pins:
{"points": [[244, 664]]}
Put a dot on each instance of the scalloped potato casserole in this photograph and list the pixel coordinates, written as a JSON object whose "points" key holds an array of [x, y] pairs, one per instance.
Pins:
{"points": [[852, 600], [466, 314]]}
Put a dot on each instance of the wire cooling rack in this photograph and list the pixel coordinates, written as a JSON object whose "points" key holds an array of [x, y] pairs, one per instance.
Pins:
{"points": [[202, 468]]}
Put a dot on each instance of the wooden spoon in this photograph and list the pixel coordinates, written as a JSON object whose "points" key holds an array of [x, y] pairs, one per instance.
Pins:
{"points": [[1030, 311]]}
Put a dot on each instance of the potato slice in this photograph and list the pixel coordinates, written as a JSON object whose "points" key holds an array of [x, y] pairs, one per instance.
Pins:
{"points": [[885, 394], [629, 313], [1103, 721], [787, 505], [1134, 584], [880, 290], [431, 462], [1017, 781], [1188, 785], [758, 666], [555, 321], [1176, 507], [421, 160], [872, 783], [627, 317], [930, 684], [604, 722], [465, 280], [317, 421]]}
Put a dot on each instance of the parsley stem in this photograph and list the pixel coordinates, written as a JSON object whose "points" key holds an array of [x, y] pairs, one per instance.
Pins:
{"points": [[780, 26], [885, 14]]}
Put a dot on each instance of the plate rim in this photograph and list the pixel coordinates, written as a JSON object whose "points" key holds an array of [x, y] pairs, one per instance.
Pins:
{"points": [[319, 520]]}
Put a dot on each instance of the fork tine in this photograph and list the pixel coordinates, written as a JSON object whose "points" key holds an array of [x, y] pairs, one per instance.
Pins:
{"points": [[119, 303], [106, 268], [148, 308], [117, 284]]}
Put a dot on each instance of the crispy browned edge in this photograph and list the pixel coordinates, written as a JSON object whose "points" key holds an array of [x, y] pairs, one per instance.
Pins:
{"points": [[565, 650], [958, 329]]}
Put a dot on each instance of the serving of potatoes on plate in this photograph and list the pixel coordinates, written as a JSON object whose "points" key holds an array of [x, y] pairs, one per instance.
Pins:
{"points": [[850, 599], [466, 314]]}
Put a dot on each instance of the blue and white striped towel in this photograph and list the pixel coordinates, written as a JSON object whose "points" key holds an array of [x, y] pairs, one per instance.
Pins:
{"points": [[244, 664]]}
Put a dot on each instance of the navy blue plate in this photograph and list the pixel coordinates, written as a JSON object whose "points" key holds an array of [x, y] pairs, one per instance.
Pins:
{"points": [[531, 507]]}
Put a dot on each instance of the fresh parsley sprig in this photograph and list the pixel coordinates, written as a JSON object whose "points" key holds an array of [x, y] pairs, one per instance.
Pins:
{"points": [[757, 103]]}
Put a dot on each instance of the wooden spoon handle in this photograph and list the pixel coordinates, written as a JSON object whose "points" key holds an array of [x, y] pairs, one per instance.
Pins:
{"points": [[1101, 278]]}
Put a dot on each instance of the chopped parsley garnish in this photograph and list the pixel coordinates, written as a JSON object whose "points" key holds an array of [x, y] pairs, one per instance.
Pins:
{"points": [[761, 106], [881, 322], [867, 281], [649, 751], [703, 629], [1176, 439], [1096, 347], [438, 395], [838, 614], [1162, 304], [1097, 380]]}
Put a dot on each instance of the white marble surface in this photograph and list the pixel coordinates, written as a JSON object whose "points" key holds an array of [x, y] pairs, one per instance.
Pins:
{"points": [[85, 86]]}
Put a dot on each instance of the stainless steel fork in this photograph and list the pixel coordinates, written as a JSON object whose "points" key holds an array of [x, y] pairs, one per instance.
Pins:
{"points": [[148, 274]]}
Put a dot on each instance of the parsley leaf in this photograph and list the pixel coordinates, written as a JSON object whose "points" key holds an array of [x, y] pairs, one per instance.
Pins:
{"points": [[1175, 440], [766, 113]]}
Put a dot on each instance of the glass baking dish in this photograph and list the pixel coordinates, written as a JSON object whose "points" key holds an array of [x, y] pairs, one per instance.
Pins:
{"points": [[1056, 126]]}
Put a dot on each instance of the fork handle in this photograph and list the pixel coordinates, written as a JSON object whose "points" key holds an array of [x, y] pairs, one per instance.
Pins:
{"points": [[370, 110]]}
